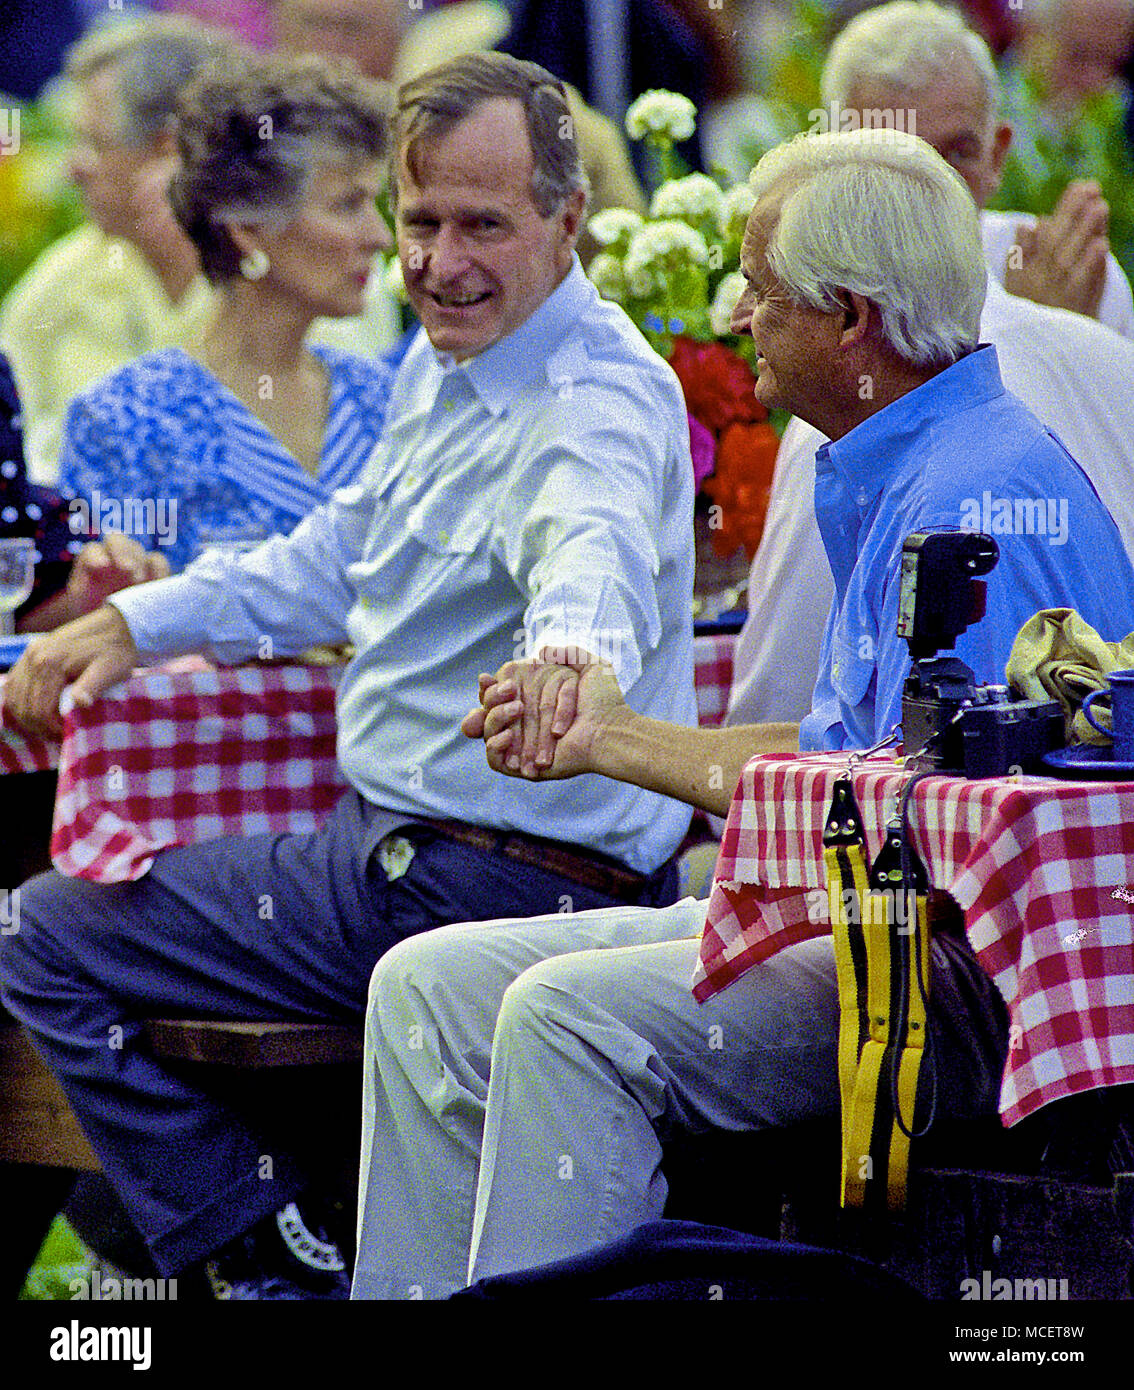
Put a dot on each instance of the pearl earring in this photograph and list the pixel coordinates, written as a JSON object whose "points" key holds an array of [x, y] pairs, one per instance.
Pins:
{"points": [[255, 265]]}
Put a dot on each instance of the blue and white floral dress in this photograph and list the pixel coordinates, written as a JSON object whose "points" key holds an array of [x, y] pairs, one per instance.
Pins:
{"points": [[163, 451]]}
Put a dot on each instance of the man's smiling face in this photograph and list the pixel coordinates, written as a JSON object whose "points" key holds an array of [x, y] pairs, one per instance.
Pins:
{"points": [[477, 257]]}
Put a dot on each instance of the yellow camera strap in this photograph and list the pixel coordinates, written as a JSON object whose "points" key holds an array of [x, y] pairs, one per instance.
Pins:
{"points": [[881, 939]]}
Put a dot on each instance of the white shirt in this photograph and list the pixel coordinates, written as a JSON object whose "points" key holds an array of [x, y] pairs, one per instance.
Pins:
{"points": [[1074, 374]]}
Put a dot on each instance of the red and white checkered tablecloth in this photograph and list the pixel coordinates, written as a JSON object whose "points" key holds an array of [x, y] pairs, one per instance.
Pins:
{"points": [[712, 676], [20, 751], [173, 758], [1043, 869], [188, 753]]}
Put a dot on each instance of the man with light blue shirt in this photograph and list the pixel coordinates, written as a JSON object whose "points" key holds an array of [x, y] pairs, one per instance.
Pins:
{"points": [[527, 1126], [531, 493], [979, 451]]}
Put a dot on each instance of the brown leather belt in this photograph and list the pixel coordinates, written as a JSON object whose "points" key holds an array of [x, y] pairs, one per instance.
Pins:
{"points": [[594, 871]]}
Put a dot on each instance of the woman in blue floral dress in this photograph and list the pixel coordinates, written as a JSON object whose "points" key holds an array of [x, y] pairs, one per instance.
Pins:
{"points": [[281, 167]]}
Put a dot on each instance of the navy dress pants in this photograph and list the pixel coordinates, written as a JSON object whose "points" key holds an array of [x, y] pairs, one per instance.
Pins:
{"points": [[264, 927]]}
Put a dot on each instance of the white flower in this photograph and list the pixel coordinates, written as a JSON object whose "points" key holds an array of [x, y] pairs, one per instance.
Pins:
{"points": [[694, 196], [606, 274], [658, 240], [659, 112], [395, 854], [736, 204], [641, 282], [725, 301], [395, 280], [612, 223], [657, 249]]}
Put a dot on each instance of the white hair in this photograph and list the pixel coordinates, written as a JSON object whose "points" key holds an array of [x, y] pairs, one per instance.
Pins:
{"points": [[909, 44], [879, 213]]}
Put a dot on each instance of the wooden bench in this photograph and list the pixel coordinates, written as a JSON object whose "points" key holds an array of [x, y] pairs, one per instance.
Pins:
{"points": [[43, 1149], [36, 1124]]}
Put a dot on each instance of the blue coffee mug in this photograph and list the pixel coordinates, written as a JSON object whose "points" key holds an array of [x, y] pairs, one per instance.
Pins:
{"points": [[1121, 694]]}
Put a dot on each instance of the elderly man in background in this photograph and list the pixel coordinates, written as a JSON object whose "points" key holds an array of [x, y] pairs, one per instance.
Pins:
{"points": [[1074, 374], [128, 281], [497, 1051], [532, 490], [368, 32], [919, 61]]}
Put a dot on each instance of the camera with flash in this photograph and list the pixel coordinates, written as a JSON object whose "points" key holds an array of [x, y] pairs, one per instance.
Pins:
{"points": [[949, 723]]}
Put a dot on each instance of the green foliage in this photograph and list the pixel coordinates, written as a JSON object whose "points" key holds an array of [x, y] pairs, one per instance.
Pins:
{"points": [[790, 76], [1043, 161], [37, 203], [62, 1258]]}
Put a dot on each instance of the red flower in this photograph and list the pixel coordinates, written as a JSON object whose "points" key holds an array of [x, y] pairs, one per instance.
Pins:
{"points": [[719, 386], [746, 459]]}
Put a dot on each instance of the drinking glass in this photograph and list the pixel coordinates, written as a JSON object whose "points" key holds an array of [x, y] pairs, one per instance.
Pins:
{"points": [[17, 575]]}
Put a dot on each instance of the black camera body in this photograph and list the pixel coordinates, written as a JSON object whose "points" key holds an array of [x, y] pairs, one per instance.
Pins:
{"points": [[949, 723]]}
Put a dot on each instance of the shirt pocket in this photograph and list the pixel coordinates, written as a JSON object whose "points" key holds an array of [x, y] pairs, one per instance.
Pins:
{"points": [[448, 522]]}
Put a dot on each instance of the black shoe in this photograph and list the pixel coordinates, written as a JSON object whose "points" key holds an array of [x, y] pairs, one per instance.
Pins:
{"points": [[282, 1257]]}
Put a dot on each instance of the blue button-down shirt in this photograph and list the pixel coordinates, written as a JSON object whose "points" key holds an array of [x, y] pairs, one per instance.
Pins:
{"points": [[539, 493], [959, 451]]}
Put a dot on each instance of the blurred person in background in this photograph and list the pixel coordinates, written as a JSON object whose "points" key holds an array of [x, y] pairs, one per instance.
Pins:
{"points": [[368, 32], [365, 33], [918, 63], [1073, 50], [128, 281], [387, 39], [1068, 100], [247, 20], [282, 161]]}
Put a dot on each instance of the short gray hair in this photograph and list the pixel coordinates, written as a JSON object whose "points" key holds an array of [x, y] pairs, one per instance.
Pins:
{"points": [[152, 60], [881, 214], [908, 44], [429, 106], [249, 133]]}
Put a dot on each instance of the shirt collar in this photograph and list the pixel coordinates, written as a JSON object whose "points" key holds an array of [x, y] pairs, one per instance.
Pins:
{"points": [[865, 458], [523, 355]]}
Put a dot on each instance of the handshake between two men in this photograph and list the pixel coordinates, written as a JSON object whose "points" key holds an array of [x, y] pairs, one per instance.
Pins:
{"points": [[562, 714]]}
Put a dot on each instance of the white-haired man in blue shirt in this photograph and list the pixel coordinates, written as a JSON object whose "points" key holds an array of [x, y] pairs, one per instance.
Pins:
{"points": [[521, 1076], [532, 492]]}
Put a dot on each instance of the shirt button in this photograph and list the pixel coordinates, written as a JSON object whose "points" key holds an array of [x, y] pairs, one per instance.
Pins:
{"points": [[862, 497]]}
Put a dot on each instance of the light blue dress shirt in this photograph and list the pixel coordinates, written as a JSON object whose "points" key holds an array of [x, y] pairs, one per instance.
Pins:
{"points": [[539, 493], [959, 451]]}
